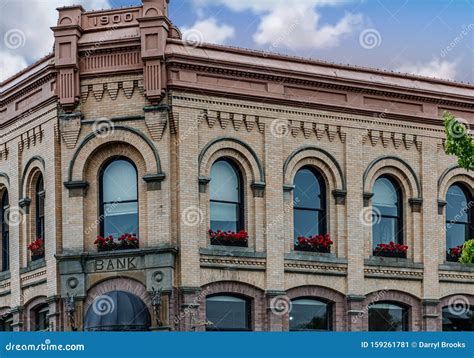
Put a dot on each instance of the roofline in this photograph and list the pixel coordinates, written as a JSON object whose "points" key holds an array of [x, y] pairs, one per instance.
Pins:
{"points": [[43, 59], [311, 61]]}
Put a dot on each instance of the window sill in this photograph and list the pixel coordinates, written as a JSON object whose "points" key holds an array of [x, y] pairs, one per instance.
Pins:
{"points": [[5, 275], [456, 266], [232, 251], [33, 265], [392, 262], [314, 256]]}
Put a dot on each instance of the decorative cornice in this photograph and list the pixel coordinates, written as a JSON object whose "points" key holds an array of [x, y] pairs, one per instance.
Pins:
{"points": [[315, 268], [232, 262], [392, 273], [175, 63], [332, 115]]}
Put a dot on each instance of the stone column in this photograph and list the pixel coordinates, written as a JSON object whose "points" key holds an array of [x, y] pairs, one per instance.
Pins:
{"points": [[431, 235], [274, 221], [188, 319], [55, 314], [278, 308], [357, 241], [189, 216], [18, 324], [357, 313], [432, 317]]}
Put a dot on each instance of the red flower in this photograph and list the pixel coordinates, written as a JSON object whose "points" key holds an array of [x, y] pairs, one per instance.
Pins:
{"points": [[391, 247], [125, 240], [456, 251], [36, 247], [316, 242], [229, 236]]}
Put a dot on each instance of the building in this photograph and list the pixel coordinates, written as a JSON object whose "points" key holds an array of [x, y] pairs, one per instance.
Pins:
{"points": [[127, 129]]}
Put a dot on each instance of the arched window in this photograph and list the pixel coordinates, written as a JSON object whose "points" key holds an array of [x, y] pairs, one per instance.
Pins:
{"points": [[387, 204], [226, 194], [459, 318], [459, 218], [39, 204], [309, 211], [118, 198], [4, 205], [310, 314], [386, 316], [227, 313]]}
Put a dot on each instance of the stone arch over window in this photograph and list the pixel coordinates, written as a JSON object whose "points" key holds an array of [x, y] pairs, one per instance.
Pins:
{"points": [[252, 174], [456, 312], [403, 299], [254, 296], [459, 218], [120, 134], [408, 183], [32, 167], [36, 314], [449, 177], [118, 284], [335, 299], [321, 160], [93, 167], [33, 205], [241, 153], [333, 182], [401, 171]]}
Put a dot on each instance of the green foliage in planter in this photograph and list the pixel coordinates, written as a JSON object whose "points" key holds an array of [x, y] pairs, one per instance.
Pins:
{"points": [[459, 141], [467, 254]]}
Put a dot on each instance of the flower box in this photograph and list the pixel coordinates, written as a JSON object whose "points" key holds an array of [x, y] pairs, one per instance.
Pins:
{"points": [[402, 255], [454, 253], [316, 243], [391, 250], [125, 242], [37, 249], [229, 238], [37, 257]]}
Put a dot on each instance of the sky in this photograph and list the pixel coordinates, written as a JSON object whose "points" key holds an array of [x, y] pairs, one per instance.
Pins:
{"points": [[430, 38]]}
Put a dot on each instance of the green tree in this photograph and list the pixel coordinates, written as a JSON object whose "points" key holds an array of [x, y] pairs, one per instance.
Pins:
{"points": [[459, 141]]}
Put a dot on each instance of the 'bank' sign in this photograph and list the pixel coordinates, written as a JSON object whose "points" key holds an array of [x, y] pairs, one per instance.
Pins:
{"points": [[116, 264]]}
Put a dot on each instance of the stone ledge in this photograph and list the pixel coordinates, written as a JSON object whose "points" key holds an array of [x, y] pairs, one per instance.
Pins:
{"points": [[33, 265], [5, 275], [232, 251], [133, 252], [455, 266], [392, 262], [315, 257]]}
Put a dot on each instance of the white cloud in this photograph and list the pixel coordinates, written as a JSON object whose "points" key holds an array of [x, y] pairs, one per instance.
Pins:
{"points": [[293, 24], [435, 68], [208, 30], [10, 64], [32, 19]]}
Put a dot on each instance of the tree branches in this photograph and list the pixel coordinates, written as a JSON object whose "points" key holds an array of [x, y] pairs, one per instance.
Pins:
{"points": [[458, 140]]}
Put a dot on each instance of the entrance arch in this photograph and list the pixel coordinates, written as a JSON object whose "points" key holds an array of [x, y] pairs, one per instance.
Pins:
{"points": [[117, 311]]}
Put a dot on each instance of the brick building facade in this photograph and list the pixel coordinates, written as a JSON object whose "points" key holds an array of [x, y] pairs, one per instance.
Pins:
{"points": [[123, 87]]}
